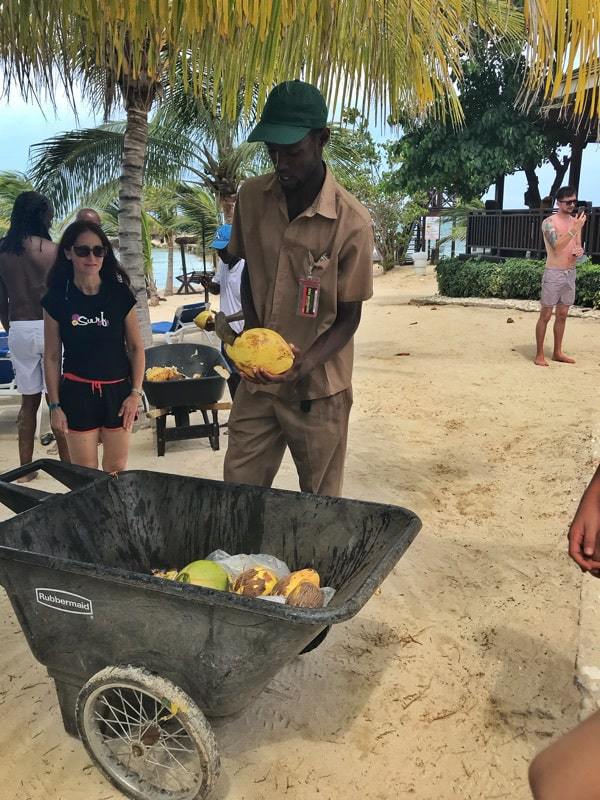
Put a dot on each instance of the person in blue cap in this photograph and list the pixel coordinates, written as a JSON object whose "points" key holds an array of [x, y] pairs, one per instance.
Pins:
{"points": [[308, 248], [226, 283]]}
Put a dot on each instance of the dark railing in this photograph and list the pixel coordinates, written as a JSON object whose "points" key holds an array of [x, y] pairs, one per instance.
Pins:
{"points": [[518, 233]]}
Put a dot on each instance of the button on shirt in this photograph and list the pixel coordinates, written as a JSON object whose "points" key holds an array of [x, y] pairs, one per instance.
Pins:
{"points": [[331, 240]]}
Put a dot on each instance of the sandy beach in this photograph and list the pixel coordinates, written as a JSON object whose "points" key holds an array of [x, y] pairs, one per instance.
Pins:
{"points": [[461, 668]]}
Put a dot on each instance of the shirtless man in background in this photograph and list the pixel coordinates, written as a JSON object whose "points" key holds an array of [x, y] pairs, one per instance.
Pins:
{"points": [[26, 255], [562, 236]]}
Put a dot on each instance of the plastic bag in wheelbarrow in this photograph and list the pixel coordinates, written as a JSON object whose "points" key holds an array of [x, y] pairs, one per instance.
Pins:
{"points": [[76, 568]]}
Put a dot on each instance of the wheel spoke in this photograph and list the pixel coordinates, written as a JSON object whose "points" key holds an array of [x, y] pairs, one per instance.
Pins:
{"points": [[114, 711], [159, 711], [120, 736], [112, 708], [114, 717], [181, 749], [127, 716], [175, 735], [177, 761], [158, 764], [140, 739]]}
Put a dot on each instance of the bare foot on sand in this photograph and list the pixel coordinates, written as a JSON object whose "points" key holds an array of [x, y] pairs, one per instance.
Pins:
{"points": [[540, 361], [26, 478], [563, 358]]}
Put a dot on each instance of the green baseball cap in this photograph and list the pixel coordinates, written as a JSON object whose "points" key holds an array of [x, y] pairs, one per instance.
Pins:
{"points": [[293, 108]]}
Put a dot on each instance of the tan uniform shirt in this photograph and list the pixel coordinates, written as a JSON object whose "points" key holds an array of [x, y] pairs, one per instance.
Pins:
{"points": [[334, 238]]}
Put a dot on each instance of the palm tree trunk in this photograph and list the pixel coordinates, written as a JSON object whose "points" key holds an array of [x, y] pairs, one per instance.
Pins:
{"points": [[130, 211], [169, 281]]}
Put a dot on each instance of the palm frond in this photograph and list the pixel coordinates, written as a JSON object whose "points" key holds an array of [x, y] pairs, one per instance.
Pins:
{"points": [[199, 212], [394, 56], [563, 56], [12, 184], [73, 165]]}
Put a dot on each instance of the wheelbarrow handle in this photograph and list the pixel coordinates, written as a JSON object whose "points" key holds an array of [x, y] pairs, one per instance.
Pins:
{"points": [[20, 498]]}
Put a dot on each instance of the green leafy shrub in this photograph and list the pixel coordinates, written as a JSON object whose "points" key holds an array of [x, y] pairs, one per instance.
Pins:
{"points": [[517, 278]]}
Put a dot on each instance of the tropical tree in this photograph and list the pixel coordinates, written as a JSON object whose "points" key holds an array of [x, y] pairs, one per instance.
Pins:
{"points": [[11, 185], [128, 51], [82, 166], [161, 204], [399, 56], [497, 136]]}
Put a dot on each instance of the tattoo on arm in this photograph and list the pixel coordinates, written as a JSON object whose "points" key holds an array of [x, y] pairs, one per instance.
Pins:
{"points": [[549, 232]]}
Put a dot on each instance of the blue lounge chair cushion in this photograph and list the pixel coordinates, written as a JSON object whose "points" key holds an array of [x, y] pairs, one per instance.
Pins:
{"points": [[162, 327], [187, 315]]}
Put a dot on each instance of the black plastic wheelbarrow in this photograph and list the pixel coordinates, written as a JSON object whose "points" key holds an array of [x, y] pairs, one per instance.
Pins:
{"points": [[139, 661]]}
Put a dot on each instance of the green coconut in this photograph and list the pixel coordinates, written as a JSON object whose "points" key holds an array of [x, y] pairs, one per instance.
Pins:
{"points": [[204, 573]]}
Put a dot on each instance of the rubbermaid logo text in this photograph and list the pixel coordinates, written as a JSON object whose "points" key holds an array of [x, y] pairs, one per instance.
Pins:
{"points": [[64, 601]]}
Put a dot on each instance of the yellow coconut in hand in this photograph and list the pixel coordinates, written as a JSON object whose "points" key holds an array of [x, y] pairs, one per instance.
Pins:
{"points": [[260, 348], [204, 318]]}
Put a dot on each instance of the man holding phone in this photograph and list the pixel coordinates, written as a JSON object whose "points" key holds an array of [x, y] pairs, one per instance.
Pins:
{"points": [[562, 236]]}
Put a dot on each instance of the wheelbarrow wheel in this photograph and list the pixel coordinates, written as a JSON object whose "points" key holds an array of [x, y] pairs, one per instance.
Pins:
{"points": [[147, 735]]}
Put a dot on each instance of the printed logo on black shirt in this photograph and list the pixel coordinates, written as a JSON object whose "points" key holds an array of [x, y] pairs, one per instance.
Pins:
{"points": [[78, 319]]}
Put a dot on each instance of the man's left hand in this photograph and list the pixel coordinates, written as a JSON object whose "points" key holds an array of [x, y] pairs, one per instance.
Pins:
{"points": [[293, 374]]}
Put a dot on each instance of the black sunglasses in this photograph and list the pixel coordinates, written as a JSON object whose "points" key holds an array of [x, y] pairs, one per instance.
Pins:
{"points": [[83, 251], [568, 202]]}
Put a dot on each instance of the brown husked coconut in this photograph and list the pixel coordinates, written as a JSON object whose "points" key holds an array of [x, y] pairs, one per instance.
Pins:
{"points": [[286, 585], [306, 595], [254, 582]]}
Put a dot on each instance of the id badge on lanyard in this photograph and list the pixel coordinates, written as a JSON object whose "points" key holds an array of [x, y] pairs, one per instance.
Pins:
{"points": [[309, 290], [308, 297]]}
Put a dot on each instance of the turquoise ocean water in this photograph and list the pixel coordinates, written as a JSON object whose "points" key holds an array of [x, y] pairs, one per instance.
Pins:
{"points": [[159, 265]]}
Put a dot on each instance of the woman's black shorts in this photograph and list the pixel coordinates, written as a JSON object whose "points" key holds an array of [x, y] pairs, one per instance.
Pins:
{"points": [[88, 408]]}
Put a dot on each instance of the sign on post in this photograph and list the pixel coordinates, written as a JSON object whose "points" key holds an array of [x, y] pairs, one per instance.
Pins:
{"points": [[432, 229]]}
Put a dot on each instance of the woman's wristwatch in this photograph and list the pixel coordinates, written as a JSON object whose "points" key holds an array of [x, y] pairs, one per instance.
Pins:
{"points": [[53, 406], [137, 391]]}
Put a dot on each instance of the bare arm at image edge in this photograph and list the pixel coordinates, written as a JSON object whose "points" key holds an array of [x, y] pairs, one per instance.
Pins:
{"points": [[584, 538]]}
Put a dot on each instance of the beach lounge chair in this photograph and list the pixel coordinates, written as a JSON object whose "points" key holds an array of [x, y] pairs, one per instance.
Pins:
{"points": [[182, 324]]}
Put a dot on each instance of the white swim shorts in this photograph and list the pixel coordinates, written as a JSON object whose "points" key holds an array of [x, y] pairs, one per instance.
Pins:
{"points": [[26, 346]]}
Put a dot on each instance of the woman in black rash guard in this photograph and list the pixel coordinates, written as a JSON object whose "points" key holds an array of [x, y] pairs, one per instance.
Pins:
{"points": [[89, 311]]}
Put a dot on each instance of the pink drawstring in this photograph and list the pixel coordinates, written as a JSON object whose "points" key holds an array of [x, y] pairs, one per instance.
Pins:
{"points": [[96, 385]]}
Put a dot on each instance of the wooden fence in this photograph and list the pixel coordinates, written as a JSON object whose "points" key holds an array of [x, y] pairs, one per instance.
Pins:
{"points": [[518, 233]]}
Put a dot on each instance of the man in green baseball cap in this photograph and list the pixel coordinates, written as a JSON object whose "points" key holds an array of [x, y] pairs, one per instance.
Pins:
{"points": [[292, 110], [308, 247]]}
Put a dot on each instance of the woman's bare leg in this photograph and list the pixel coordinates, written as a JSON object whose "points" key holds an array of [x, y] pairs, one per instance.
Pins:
{"points": [[115, 445], [83, 448]]}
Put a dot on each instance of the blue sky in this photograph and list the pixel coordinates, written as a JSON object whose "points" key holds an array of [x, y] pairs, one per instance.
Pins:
{"points": [[23, 124]]}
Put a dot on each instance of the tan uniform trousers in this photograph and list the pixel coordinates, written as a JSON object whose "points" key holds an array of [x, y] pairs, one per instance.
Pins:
{"points": [[261, 426]]}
